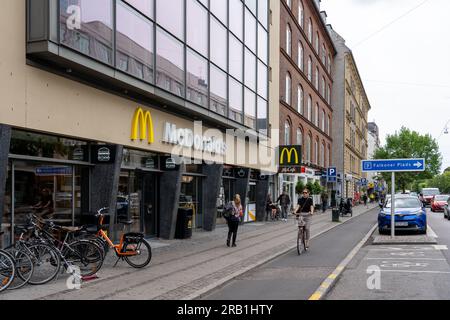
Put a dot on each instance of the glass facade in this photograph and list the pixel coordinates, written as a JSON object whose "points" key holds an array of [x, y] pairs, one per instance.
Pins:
{"points": [[202, 51]]}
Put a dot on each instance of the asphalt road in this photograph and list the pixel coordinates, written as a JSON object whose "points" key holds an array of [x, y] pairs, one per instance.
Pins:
{"points": [[293, 277], [406, 272]]}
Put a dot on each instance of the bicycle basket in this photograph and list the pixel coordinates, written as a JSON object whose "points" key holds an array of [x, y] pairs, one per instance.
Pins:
{"points": [[301, 222]]}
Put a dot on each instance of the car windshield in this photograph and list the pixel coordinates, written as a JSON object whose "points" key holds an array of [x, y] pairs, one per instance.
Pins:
{"points": [[441, 198], [430, 192], [406, 203]]}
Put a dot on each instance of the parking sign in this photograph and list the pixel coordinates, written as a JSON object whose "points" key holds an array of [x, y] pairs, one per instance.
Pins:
{"points": [[332, 174]]}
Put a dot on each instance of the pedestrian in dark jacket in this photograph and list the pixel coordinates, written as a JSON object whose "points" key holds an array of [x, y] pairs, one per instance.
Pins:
{"points": [[234, 220], [324, 199], [285, 202], [268, 207]]}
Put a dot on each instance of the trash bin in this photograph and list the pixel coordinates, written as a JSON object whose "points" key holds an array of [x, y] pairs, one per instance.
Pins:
{"points": [[184, 223], [335, 215]]}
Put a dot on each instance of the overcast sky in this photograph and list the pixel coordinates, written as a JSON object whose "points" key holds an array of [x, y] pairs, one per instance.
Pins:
{"points": [[402, 48]]}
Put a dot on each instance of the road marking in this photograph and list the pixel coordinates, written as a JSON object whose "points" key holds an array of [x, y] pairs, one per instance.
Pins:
{"points": [[416, 271], [316, 296], [440, 247], [431, 233], [332, 276], [427, 259], [403, 264]]}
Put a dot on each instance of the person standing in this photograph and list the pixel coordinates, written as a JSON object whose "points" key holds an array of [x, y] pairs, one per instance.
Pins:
{"points": [[324, 199], [364, 198], [305, 208], [234, 220], [285, 202]]}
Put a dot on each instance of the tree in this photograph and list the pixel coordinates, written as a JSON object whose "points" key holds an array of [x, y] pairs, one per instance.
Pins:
{"points": [[442, 182], [316, 188], [299, 187], [408, 144]]}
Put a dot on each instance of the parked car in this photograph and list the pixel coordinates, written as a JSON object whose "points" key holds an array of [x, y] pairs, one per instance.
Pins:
{"points": [[429, 193], [414, 194], [439, 203], [410, 215]]}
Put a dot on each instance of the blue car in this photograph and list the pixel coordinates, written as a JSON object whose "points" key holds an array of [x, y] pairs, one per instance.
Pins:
{"points": [[410, 215]]}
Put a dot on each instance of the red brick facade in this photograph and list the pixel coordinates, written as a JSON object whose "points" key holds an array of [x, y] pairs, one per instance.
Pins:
{"points": [[290, 112]]}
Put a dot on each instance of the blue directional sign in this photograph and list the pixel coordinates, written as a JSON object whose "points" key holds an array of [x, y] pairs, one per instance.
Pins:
{"points": [[394, 165], [332, 174]]}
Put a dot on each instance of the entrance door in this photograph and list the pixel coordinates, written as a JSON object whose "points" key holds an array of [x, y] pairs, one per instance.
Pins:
{"points": [[150, 204], [191, 197]]}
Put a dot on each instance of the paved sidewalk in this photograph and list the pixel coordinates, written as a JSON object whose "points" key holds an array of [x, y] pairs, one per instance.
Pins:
{"points": [[186, 269]]}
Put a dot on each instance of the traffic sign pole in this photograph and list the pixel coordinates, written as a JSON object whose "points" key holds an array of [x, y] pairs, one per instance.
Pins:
{"points": [[393, 206]]}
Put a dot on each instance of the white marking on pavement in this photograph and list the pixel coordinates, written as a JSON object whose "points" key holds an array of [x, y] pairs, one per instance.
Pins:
{"points": [[431, 233], [416, 271], [426, 259], [440, 247]]}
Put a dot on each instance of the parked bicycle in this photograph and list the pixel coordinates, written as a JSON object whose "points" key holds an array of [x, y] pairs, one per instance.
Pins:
{"points": [[7, 270]]}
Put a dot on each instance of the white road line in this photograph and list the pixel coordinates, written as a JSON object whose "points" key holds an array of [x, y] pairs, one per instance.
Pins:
{"points": [[440, 247], [416, 271], [431, 233], [428, 259]]}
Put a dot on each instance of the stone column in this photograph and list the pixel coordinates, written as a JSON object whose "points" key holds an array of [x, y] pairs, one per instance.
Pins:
{"points": [[262, 190], [5, 141], [170, 189], [105, 185], [211, 188]]}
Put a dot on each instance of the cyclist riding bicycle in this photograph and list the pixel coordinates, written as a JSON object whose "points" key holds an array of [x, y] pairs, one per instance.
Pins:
{"points": [[305, 208]]}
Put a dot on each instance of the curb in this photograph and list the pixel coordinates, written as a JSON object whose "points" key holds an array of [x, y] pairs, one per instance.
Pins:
{"points": [[332, 279], [208, 289]]}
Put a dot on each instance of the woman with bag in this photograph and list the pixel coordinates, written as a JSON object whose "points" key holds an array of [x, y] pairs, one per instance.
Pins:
{"points": [[305, 209], [234, 220]]}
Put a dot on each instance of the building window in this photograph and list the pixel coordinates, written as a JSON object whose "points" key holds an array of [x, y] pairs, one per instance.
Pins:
{"points": [[316, 152], [317, 43], [329, 94], [309, 109], [300, 56], [236, 58], [250, 30], [250, 70], [95, 34], [329, 64], [322, 155], [288, 40], [237, 19], [197, 77], [324, 55], [197, 24], [301, 14], [316, 79], [300, 99], [218, 38], [250, 109], [299, 137], [323, 88], [329, 126], [289, 3], [323, 120], [310, 69], [287, 133], [308, 149], [218, 93], [170, 15], [236, 100], [316, 115], [288, 91], [310, 30]]}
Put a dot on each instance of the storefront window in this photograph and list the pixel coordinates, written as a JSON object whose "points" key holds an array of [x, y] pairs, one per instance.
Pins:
{"points": [[86, 26], [44, 146], [191, 197], [139, 159], [226, 195]]}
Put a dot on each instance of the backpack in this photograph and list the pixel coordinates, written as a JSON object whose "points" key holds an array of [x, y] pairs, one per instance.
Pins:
{"points": [[228, 210]]}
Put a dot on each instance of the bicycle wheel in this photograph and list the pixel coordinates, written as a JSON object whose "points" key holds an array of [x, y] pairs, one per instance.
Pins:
{"points": [[24, 268], [300, 241], [143, 254], [7, 270], [86, 255], [46, 261]]}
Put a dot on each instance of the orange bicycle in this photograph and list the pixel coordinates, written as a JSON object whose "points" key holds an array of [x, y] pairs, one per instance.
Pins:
{"points": [[133, 248]]}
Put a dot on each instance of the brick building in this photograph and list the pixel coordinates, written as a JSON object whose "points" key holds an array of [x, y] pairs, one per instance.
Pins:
{"points": [[306, 113]]}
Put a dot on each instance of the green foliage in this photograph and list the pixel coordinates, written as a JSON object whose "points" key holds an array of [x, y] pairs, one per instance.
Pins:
{"points": [[299, 187], [316, 188], [310, 186], [442, 182], [408, 144]]}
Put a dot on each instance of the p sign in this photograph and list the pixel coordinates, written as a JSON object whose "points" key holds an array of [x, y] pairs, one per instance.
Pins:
{"points": [[332, 174]]}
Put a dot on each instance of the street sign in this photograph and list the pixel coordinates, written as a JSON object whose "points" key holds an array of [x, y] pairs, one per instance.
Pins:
{"points": [[332, 175], [364, 182], [394, 165]]}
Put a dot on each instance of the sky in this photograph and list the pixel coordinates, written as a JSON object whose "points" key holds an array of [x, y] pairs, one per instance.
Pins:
{"points": [[402, 48]]}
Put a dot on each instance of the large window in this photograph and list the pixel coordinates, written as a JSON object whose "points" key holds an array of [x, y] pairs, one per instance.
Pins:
{"points": [[250, 109], [250, 70], [197, 24], [250, 31], [288, 40], [288, 91], [309, 115], [300, 56], [144, 6], [236, 58], [300, 99], [218, 38], [218, 102], [197, 79], [170, 15], [287, 133], [310, 69], [237, 18], [301, 14], [169, 63], [93, 34], [236, 100], [219, 9], [134, 53]]}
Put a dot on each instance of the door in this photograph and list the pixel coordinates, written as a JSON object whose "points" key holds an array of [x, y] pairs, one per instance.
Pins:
{"points": [[149, 211]]}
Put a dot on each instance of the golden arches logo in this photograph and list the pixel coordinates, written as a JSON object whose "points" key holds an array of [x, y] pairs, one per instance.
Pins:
{"points": [[142, 126], [289, 152]]}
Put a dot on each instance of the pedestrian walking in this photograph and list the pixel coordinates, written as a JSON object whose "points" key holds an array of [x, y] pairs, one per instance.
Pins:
{"points": [[234, 220], [285, 203], [365, 198]]}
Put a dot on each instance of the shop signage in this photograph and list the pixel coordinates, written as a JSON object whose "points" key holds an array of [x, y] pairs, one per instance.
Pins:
{"points": [[142, 126], [228, 173], [186, 138], [290, 156], [290, 170], [169, 164], [103, 154], [53, 171], [241, 173]]}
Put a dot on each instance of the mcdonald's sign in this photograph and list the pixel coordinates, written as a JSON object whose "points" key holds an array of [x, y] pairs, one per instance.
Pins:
{"points": [[290, 156], [142, 126]]}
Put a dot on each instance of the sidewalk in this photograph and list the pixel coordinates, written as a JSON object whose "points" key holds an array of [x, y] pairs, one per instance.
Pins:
{"points": [[187, 269]]}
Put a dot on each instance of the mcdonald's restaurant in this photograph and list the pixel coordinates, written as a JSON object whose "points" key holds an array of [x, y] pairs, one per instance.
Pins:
{"points": [[79, 131]]}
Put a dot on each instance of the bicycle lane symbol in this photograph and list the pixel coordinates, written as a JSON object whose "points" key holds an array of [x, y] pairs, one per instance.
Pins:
{"points": [[74, 280], [403, 264]]}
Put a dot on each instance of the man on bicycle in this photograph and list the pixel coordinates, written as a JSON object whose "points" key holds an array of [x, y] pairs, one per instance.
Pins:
{"points": [[305, 208]]}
